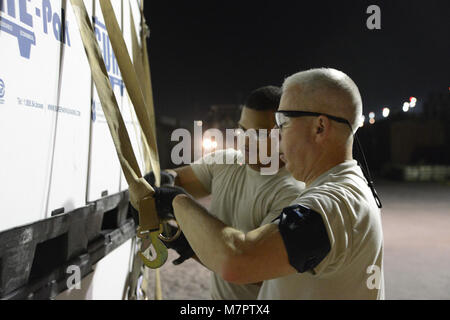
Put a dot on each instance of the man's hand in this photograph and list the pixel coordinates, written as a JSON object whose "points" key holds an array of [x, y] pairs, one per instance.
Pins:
{"points": [[180, 245], [167, 179], [163, 201]]}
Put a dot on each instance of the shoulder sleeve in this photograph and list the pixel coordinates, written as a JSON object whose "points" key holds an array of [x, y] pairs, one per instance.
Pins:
{"points": [[305, 237], [206, 168], [333, 212]]}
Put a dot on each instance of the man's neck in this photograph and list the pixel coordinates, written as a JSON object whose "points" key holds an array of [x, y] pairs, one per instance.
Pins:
{"points": [[323, 165], [258, 167]]}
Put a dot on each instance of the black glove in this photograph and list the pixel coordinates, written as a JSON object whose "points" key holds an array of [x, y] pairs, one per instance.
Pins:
{"points": [[166, 179], [180, 245], [163, 201]]}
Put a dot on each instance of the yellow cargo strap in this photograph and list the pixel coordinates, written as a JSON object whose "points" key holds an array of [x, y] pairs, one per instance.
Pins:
{"points": [[140, 191], [131, 82], [138, 95], [138, 283], [142, 68]]}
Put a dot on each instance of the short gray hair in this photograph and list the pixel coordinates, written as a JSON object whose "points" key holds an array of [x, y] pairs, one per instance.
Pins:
{"points": [[320, 79]]}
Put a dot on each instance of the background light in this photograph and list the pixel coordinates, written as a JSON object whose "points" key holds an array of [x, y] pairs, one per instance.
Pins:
{"points": [[413, 102], [208, 144], [372, 121], [386, 112], [362, 121], [372, 115], [405, 107]]}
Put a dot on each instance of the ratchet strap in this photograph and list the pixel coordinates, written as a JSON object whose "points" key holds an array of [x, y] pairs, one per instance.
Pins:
{"points": [[140, 191], [142, 69], [141, 97], [132, 84]]}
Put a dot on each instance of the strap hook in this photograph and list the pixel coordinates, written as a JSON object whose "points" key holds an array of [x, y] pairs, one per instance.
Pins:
{"points": [[160, 248]]}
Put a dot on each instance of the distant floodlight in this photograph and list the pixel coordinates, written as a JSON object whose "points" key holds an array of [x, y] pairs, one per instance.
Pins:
{"points": [[362, 120], [208, 144], [372, 115], [413, 102], [405, 107], [372, 121], [386, 112]]}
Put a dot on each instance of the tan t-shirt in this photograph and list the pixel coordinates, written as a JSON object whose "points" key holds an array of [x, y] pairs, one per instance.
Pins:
{"points": [[243, 199], [353, 269]]}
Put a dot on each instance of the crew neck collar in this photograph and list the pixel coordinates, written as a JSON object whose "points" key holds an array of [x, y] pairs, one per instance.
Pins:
{"points": [[253, 172], [324, 176]]}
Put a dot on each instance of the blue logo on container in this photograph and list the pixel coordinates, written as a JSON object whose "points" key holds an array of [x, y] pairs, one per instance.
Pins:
{"points": [[2, 88], [108, 55], [20, 14]]}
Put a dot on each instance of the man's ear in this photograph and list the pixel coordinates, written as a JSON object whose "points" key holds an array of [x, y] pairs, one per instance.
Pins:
{"points": [[322, 127]]}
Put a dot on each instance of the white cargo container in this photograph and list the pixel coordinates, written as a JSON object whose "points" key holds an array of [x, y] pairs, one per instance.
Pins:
{"points": [[63, 198]]}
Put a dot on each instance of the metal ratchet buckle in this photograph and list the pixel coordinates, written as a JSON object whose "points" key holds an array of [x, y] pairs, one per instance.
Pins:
{"points": [[172, 238]]}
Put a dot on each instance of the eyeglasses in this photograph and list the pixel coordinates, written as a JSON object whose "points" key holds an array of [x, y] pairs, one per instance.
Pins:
{"points": [[282, 117]]}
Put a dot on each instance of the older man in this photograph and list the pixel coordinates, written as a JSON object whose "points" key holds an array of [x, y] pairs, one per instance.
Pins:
{"points": [[328, 243], [242, 197]]}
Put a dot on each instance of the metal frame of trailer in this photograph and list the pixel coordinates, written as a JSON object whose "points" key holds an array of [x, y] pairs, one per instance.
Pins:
{"points": [[34, 258], [73, 162]]}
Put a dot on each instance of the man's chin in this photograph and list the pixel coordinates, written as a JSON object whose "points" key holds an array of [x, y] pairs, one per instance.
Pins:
{"points": [[288, 166]]}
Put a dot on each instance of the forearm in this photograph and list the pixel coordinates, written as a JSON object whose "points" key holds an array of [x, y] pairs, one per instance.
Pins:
{"points": [[212, 241], [237, 257]]}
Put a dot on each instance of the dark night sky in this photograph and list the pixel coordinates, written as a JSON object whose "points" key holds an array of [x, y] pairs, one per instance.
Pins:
{"points": [[213, 52]]}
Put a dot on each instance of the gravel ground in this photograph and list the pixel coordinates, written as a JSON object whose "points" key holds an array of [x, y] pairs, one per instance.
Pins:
{"points": [[416, 222]]}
